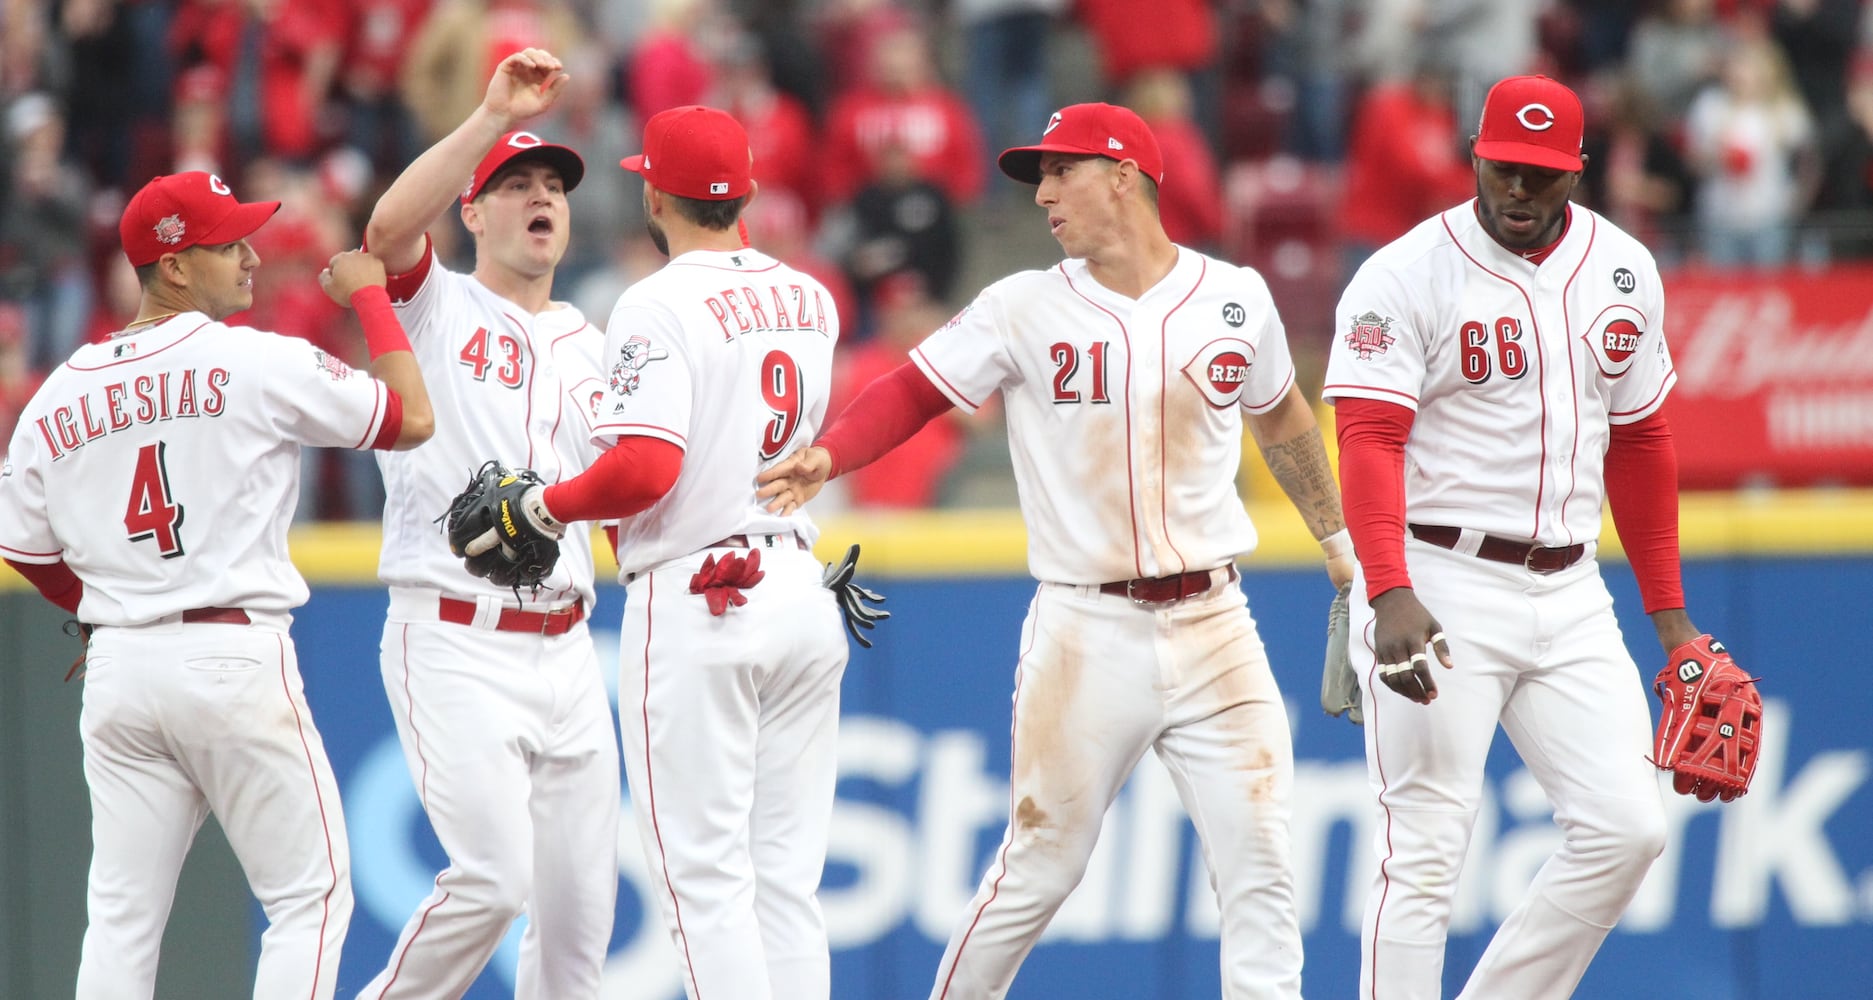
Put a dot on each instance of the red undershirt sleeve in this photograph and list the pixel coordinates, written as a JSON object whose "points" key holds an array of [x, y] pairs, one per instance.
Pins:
{"points": [[1372, 438], [1642, 490], [628, 478], [55, 581], [884, 415]]}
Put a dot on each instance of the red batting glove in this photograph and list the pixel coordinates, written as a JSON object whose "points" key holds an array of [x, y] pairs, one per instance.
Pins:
{"points": [[722, 581]]}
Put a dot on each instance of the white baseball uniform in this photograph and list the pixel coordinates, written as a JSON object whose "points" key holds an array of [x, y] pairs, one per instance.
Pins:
{"points": [[1125, 418], [1515, 372], [502, 713], [729, 722], [163, 467]]}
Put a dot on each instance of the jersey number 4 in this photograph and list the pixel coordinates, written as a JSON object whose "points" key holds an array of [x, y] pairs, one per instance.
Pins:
{"points": [[153, 514], [477, 356]]}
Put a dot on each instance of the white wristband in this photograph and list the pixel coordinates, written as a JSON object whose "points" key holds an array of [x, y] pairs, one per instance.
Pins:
{"points": [[1338, 545]]}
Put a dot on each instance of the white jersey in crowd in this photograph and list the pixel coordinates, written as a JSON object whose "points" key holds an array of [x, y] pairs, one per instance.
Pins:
{"points": [[505, 385], [727, 355], [163, 465], [1079, 362], [1522, 365]]}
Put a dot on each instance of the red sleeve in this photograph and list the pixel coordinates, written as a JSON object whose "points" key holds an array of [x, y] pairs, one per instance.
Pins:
{"points": [[1642, 489], [1372, 487], [383, 332], [392, 427], [55, 581], [634, 474], [886, 414]]}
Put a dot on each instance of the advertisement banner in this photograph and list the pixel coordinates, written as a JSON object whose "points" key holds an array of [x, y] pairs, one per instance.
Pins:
{"points": [[1769, 896], [1775, 376]]}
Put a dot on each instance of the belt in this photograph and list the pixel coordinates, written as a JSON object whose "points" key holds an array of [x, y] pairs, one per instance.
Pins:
{"points": [[1165, 589], [1534, 558], [460, 612], [747, 541], [216, 616]]}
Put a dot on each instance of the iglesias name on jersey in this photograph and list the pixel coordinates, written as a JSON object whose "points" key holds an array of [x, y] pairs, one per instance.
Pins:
{"points": [[1514, 370], [1124, 415], [505, 385], [727, 355], [163, 465]]}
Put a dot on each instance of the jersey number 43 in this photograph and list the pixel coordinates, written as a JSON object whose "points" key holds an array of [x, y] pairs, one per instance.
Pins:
{"points": [[153, 514]]}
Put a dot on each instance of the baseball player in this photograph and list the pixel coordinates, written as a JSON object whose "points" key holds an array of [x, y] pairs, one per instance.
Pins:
{"points": [[728, 691], [1128, 372], [122, 511], [503, 716], [1499, 370]]}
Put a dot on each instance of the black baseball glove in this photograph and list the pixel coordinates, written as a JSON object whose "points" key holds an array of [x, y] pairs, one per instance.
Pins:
{"points": [[501, 530], [852, 597]]}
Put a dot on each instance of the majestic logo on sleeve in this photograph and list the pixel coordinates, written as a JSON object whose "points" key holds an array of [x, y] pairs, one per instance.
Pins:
{"points": [[1220, 370], [1614, 338], [1371, 334], [627, 374]]}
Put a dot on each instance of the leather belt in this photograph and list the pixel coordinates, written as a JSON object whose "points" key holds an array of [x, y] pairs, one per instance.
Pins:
{"points": [[460, 612], [1165, 589], [746, 541], [216, 616], [1534, 558]]}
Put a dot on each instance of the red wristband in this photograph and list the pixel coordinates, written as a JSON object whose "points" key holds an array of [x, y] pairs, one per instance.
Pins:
{"points": [[383, 332]]}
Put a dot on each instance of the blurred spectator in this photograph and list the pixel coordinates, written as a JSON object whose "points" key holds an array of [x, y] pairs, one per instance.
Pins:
{"points": [[1750, 141], [117, 86], [18, 378], [1675, 51], [1480, 41], [198, 129], [455, 51], [43, 262], [633, 257], [1131, 37], [1634, 174], [911, 475], [786, 153], [1190, 201], [1822, 36], [898, 223], [279, 59], [377, 40], [120, 293], [903, 107], [849, 31], [1406, 160], [779, 225], [670, 68], [1306, 49], [1005, 45]]}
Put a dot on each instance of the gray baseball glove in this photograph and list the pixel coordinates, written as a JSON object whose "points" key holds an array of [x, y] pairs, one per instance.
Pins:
{"points": [[1339, 688]]}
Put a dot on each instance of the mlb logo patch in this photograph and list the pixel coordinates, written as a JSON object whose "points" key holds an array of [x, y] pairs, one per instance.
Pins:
{"points": [[718, 187], [124, 351]]}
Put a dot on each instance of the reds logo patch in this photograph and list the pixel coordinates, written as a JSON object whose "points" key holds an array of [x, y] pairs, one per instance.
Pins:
{"points": [[1370, 335], [1614, 339], [170, 230], [1220, 370], [332, 365], [627, 374]]}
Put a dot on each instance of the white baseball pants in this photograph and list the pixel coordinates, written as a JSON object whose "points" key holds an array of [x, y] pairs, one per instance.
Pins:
{"points": [[181, 720], [1543, 655], [730, 738], [509, 740], [1100, 681]]}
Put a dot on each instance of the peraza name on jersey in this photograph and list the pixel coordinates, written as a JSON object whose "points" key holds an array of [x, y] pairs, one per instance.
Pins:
{"points": [[745, 310], [118, 406]]}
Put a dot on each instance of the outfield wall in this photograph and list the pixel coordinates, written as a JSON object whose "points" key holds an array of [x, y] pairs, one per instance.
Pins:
{"points": [[1772, 895]]}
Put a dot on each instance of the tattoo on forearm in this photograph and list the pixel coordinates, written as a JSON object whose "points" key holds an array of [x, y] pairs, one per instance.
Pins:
{"points": [[1300, 465]]}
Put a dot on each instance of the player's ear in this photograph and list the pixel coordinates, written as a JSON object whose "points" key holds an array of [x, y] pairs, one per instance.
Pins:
{"points": [[471, 217]]}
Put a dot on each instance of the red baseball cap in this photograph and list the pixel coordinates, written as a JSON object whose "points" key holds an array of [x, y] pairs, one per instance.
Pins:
{"points": [[1097, 129], [175, 212], [695, 152], [1532, 120], [516, 145]]}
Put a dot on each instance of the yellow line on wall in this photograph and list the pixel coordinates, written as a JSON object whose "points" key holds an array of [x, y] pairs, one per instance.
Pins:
{"points": [[994, 542]]}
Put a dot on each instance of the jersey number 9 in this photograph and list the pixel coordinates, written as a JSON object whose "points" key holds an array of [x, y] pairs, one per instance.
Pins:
{"points": [[780, 387]]}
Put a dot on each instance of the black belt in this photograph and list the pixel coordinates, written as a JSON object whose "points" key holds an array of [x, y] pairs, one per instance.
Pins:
{"points": [[1529, 556], [1164, 589]]}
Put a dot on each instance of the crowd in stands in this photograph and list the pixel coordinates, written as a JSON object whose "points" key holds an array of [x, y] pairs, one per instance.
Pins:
{"points": [[1300, 136]]}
